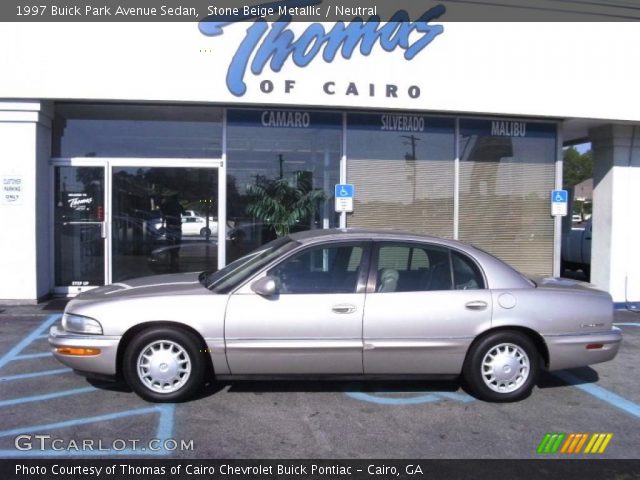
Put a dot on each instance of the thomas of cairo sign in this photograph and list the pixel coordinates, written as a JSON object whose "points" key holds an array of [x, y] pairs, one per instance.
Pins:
{"points": [[271, 45]]}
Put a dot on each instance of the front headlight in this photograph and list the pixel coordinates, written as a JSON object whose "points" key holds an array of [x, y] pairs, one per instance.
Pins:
{"points": [[79, 324]]}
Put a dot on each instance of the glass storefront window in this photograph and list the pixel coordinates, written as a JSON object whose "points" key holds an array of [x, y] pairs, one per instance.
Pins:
{"points": [[274, 159], [403, 170], [164, 220], [143, 131], [507, 170]]}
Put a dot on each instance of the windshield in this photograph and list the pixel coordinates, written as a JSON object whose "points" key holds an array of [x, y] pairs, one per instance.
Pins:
{"points": [[229, 277]]}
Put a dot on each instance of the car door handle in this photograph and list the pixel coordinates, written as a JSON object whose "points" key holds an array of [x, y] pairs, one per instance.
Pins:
{"points": [[346, 308], [476, 305]]}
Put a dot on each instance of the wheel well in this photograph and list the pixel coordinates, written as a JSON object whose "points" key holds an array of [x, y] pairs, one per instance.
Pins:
{"points": [[133, 331], [534, 336]]}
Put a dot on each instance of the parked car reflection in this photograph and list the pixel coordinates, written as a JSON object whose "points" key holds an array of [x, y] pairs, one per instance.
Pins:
{"points": [[196, 254]]}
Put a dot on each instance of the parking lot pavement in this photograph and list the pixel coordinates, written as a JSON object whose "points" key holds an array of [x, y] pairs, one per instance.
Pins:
{"points": [[305, 419]]}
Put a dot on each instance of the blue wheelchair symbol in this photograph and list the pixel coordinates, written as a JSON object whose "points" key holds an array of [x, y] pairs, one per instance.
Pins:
{"points": [[344, 190]]}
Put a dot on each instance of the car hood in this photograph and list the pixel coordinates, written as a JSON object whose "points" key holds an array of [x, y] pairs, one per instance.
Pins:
{"points": [[175, 284]]}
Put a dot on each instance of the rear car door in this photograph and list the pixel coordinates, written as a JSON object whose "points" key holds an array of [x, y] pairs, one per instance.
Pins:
{"points": [[312, 325], [425, 305]]}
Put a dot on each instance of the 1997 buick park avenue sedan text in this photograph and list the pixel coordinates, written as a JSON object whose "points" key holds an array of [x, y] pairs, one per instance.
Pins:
{"points": [[339, 302]]}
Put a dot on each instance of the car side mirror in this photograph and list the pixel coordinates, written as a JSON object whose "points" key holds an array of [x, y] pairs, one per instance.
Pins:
{"points": [[265, 286]]}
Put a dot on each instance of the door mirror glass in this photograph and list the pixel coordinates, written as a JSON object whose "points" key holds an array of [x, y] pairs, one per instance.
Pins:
{"points": [[266, 286]]}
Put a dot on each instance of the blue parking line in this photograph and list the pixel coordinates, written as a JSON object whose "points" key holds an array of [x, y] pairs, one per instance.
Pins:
{"points": [[22, 344], [46, 396], [30, 356], [426, 398], [600, 393], [80, 421], [22, 376], [627, 324], [79, 453], [165, 424]]}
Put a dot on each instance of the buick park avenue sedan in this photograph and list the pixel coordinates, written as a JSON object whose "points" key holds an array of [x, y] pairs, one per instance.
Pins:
{"points": [[339, 302]]}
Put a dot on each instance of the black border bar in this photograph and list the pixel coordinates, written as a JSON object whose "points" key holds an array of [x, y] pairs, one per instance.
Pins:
{"points": [[230, 11]]}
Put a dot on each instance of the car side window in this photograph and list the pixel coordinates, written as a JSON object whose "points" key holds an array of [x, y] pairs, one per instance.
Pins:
{"points": [[324, 269], [466, 274], [413, 268]]}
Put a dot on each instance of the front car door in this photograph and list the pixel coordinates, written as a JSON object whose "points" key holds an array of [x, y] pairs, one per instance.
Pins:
{"points": [[313, 325], [428, 304]]}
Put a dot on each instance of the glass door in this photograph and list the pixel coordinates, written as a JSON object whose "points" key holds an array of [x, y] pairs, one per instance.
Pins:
{"points": [[163, 220], [80, 229]]}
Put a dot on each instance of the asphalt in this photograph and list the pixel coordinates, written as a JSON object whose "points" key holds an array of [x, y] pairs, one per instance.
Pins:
{"points": [[304, 419]]}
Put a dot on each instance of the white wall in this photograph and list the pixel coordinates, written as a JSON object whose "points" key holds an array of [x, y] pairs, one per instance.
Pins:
{"points": [[579, 70], [24, 228], [615, 255]]}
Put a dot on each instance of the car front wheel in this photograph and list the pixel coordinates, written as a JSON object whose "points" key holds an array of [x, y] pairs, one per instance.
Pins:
{"points": [[502, 367], [164, 364]]}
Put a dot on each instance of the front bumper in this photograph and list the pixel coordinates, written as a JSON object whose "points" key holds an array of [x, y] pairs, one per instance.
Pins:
{"points": [[570, 351], [103, 364]]}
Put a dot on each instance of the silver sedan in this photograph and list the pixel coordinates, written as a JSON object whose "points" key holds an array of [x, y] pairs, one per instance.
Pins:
{"points": [[339, 302]]}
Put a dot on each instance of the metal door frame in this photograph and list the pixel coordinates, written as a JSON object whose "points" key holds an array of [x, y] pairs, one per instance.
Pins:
{"points": [[108, 163]]}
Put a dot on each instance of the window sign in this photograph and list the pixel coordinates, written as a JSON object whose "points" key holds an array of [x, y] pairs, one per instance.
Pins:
{"points": [[12, 190], [278, 118]]}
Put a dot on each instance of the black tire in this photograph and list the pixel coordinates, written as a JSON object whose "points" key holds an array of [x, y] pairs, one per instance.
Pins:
{"points": [[511, 391], [183, 345], [204, 231]]}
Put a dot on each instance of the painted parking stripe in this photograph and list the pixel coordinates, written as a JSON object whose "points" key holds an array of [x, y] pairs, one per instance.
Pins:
{"points": [[163, 433], [22, 344], [416, 400], [600, 393], [30, 356], [627, 324], [46, 396], [80, 453], [79, 421], [22, 376]]}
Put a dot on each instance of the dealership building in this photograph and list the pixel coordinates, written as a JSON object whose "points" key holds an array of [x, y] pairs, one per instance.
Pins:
{"points": [[449, 129]]}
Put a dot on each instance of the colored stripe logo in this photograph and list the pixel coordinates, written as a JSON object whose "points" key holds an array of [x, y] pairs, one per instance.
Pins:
{"points": [[573, 443]]}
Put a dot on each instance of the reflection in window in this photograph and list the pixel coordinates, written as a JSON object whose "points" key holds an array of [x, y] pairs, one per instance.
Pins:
{"points": [[164, 220], [403, 170], [148, 131], [506, 173], [279, 155]]}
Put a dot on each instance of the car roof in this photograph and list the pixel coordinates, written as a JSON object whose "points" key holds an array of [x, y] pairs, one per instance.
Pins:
{"points": [[342, 234]]}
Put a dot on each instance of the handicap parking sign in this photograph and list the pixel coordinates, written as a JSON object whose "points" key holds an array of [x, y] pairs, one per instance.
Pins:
{"points": [[344, 197], [559, 203]]}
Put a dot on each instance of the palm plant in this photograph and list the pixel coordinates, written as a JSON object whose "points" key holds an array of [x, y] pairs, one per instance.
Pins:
{"points": [[281, 205]]}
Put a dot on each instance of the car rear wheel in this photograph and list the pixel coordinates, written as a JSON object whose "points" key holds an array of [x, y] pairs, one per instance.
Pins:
{"points": [[204, 231], [502, 367], [164, 364]]}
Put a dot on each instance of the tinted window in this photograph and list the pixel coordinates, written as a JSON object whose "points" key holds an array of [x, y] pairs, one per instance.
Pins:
{"points": [[325, 269], [229, 277], [413, 268], [466, 274]]}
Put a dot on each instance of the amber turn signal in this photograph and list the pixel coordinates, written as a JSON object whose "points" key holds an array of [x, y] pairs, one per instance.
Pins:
{"points": [[76, 351]]}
